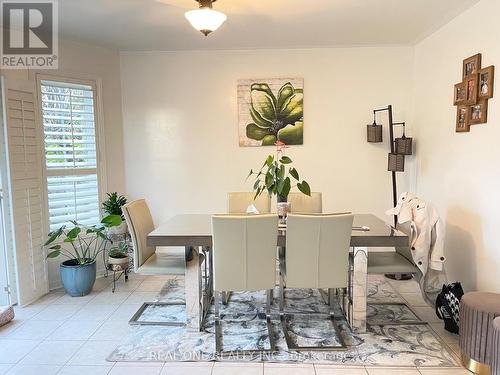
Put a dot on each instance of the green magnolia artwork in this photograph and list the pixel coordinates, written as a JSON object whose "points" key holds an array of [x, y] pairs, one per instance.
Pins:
{"points": [[271, 110]]}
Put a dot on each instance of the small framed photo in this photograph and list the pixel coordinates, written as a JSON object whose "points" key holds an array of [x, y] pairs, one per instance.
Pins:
{"points": [[460, 94], [471, 65], [471, 89], [486, 77], [462, 119], [478, 113]]}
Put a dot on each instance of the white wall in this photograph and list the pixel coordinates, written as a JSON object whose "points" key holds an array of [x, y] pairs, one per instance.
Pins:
{"points": [[82, 60], [180, 124], [460, 172]]}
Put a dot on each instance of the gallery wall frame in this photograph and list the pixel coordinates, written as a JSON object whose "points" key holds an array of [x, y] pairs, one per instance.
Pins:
{"points": [[472, 94]]}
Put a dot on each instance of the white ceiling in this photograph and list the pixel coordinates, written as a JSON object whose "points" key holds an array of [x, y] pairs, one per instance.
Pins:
{"points": [[144, 25]]}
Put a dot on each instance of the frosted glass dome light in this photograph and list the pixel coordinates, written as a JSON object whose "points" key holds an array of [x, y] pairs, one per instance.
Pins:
{"points": [[205, 19]]}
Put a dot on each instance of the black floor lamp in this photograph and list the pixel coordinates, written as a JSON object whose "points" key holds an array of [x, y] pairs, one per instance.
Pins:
{"points": [[400, 147]]}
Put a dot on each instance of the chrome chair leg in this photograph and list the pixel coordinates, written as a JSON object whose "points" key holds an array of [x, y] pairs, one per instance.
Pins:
{"points": [[218, 324], [282, 296], [219, 346], [269, 301]]}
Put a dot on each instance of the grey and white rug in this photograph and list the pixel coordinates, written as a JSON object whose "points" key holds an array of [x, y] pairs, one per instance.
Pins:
{"points": [[244, 328]]}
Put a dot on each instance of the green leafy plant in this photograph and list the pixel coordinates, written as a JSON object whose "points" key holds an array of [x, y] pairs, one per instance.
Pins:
{"points": [[113, 204], [276, 117], [275, 176], [83, 243], [120, 251]]}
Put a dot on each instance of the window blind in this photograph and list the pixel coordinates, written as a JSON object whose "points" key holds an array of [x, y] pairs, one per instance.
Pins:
{"points": [[68, 119]]}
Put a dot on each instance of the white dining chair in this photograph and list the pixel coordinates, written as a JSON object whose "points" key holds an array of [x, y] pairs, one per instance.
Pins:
{"points": [[304, 204], [399, 262], [317, 257], [244, 248], [148, 261], [238, 202]]}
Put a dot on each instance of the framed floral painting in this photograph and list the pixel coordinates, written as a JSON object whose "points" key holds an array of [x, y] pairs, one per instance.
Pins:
{"points": [[270, 110]]}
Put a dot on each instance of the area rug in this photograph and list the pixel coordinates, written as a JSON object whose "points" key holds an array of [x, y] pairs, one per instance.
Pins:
{"points": [[244, 328]]}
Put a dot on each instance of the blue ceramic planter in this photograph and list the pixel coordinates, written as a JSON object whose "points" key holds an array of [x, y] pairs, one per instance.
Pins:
{"points": [[77, 279]]}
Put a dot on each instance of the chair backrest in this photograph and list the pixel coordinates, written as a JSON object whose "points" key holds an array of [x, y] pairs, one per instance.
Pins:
{"points": [[140, 224], [317, 250], [244, 251], [237, 202], [303, 204]]}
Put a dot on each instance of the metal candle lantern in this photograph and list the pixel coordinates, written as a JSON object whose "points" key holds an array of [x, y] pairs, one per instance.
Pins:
{"points": [[396, 162], [404, 144], [374, 131]]}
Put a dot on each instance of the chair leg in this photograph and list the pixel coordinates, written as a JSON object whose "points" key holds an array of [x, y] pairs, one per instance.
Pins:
{"points": [[269, 299], [282, 296], [330, 300], [218, 327], [219, 340]]}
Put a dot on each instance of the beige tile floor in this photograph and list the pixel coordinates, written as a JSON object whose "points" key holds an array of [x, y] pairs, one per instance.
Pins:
{"points": [[73, 336]]}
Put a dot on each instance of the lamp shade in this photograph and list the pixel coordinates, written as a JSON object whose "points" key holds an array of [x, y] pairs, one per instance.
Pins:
{"points": [[374, 132], [396, 163], [404, 145], [205, 19]]}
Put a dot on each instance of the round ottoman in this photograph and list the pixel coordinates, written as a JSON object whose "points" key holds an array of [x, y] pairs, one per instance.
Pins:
{"points": [[6, 314], [495, 348], [477, 311]]}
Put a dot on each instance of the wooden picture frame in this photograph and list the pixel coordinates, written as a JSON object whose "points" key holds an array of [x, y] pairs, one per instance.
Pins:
{"points": [[486, 82], [460, 94], [462, 125], [471, 65], [471, 89], [478, 113]]}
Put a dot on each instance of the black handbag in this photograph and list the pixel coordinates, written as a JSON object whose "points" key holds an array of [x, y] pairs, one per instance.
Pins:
{"points": [[448, 306]]}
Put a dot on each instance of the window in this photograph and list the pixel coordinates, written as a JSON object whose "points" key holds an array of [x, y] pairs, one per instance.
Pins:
{"points": [[68, 117]]}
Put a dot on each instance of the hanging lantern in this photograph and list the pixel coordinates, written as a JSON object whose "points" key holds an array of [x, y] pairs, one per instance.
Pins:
{"points": [[396, 162], [374, 131], [403, 145]]}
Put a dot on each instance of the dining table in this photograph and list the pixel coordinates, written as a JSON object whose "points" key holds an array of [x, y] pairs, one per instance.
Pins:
{"points": [[194, 231]]}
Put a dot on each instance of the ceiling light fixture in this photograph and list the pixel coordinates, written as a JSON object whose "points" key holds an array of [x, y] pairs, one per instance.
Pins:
{"points": [[205, 19]]}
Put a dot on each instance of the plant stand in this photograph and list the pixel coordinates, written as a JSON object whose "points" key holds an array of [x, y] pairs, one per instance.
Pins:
{"points": [[117, 269]]}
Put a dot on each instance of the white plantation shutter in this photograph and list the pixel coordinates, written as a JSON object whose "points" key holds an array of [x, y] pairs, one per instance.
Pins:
{"points": [[25, 190], [68, 117]]}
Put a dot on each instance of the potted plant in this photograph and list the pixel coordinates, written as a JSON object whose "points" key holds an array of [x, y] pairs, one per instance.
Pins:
{"points": [[118, 255], [113, 206], [277, 176], [81, 245]]}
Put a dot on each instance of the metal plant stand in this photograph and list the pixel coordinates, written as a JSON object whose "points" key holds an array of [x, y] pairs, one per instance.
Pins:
{"points": [[118, 270]]}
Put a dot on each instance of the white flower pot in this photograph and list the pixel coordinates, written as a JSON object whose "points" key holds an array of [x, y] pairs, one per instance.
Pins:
{"points": [[123, 262], [120, 229]]}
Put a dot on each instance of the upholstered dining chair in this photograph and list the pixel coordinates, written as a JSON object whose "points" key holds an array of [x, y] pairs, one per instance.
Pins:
{"points": [[238, 202], [317, 257], [148, 261], [398, 262], [244, 248], [303, 204]]}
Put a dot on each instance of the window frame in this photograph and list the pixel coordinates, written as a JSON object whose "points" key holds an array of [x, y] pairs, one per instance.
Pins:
{"points": [[96, 84]]}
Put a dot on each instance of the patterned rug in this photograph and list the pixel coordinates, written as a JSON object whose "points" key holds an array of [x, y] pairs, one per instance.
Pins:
{"points": [[244, 328]]}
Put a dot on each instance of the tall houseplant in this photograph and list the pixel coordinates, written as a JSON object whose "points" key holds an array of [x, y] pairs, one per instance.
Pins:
{"points": [[277, 176], [81, 245], [113, 206]]}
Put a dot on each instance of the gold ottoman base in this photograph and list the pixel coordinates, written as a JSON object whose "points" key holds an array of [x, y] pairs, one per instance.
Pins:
{"points": [[475, 366]]}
